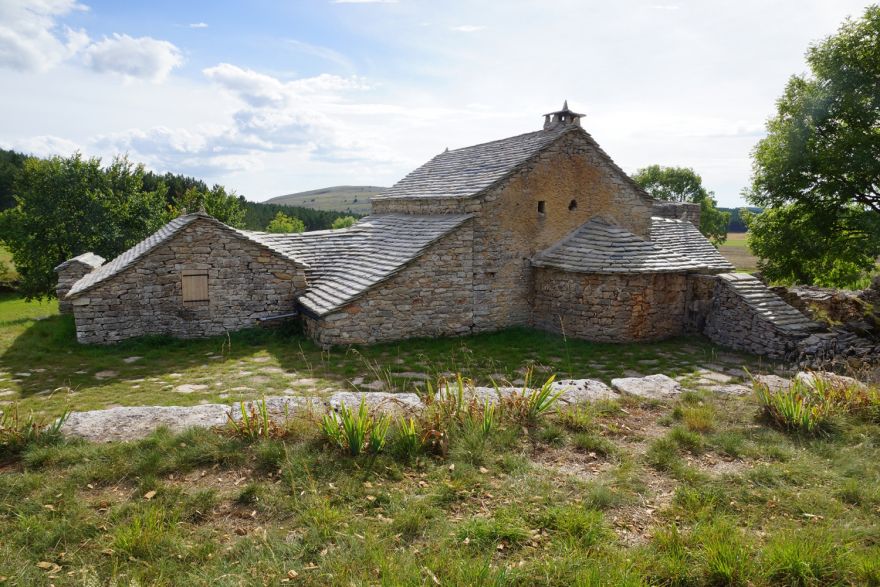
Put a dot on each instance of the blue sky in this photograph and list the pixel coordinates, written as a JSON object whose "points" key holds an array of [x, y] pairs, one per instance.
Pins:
{"points": [[269, 98]]}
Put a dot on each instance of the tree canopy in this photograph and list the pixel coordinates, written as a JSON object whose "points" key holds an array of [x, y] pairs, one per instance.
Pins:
{"points": [[284, 223], [68, 206], [343, 222], [683, 184], [227, 208], [817, 172]]}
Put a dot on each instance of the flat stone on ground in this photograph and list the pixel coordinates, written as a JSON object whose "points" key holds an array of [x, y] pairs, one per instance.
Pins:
{"points": [[657, 386], [579, 391], [129, 423], [773, 382], [190, 387], [105, 374], [130, 360], [393, 403], [730, 389]]}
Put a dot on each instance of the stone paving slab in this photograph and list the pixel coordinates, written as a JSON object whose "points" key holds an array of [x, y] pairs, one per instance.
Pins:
{"points": [[649, 387]]}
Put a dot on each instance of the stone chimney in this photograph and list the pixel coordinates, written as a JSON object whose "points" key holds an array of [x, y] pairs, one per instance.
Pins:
{"points": [[562, 117], [678, 210], [72, 271]]}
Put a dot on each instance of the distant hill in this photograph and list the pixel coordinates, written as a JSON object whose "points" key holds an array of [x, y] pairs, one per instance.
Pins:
{"points": [[341, 198]]}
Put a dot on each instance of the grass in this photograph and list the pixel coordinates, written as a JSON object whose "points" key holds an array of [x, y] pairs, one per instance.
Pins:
{"points": [[205, 507], [694, 491], [7, 267], [45, 370], [736, 250]]}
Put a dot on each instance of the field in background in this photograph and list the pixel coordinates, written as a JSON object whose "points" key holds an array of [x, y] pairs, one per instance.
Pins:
{"points": [[343, 198], [736, 250], [6, 263]]}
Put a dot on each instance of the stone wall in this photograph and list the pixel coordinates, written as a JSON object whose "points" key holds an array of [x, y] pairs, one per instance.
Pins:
{"points": [[610, 308], [246, 282], [69, 273], [733, 323], [575, 183], [678, 211], [700, 296], [433, 296]]}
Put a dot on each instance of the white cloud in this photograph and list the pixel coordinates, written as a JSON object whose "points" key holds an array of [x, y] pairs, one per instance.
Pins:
{"points": [[469, 28], [364, 2], [198, 25], [45, 146], [141, 57], [30, 37]]}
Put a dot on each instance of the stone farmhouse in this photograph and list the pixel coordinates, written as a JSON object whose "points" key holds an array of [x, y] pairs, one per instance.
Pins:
{"points": [[540, 229]]}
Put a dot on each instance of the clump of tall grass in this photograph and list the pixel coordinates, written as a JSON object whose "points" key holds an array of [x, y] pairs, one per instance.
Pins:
{"points": [[531, 403], [255, 422], [809, 406], [18, 431], [356, 432]]}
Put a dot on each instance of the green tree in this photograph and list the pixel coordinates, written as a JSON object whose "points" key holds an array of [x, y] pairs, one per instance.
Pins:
{"points": [[343, 222], [227, 208], [818, 168], [683, 184], [284, 223], [68, 206]]}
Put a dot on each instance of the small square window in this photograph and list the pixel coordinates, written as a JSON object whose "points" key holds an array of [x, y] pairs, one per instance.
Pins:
{"points": [[542, 206], [195, 286]]}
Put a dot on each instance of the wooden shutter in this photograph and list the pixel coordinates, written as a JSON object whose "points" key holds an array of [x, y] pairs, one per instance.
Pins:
{"points": [[195, 286]]}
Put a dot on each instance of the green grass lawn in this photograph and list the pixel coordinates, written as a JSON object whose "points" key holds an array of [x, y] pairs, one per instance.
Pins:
{"points": [[692, 491], [736, 250], [689, 492], [7, 265], [44, 369]]}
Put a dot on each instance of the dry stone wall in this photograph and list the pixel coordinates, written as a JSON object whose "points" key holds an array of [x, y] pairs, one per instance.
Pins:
{"points": [[574, 181], [610, 308], [246, 282], [734, 323], [433, 296], [68, 274]]}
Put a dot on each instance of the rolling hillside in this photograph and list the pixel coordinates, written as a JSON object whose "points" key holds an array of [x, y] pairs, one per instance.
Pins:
{"points": [[343, 198]]}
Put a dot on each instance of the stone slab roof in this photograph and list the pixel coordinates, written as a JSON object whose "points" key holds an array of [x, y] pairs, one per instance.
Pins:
{"points": [[344, 264], [89, 259], [767, 304], [601, 247], [682, 237], [466, 172], [164, 234]]}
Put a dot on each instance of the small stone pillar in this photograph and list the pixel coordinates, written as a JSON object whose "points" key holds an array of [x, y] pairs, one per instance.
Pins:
{"points": [[72, 271]]}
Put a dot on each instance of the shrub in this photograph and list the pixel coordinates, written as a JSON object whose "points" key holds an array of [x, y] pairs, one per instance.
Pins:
{"points": [[355, 431]]}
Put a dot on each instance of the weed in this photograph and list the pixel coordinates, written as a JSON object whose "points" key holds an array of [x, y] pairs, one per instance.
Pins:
{"points": [[803, 559], [17, 431], [686, 440], [407, 439], [255, 422], [356, 431], [577, 419], [594, 443]]}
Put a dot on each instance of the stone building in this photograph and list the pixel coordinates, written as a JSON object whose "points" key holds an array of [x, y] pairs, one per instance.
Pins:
{"points": [[541, 229]]}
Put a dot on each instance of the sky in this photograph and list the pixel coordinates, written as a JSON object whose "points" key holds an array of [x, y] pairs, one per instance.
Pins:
{"points": [[269, 98]]}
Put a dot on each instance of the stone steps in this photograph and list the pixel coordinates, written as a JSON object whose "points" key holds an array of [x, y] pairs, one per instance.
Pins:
{"points": [[766, 304]]}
